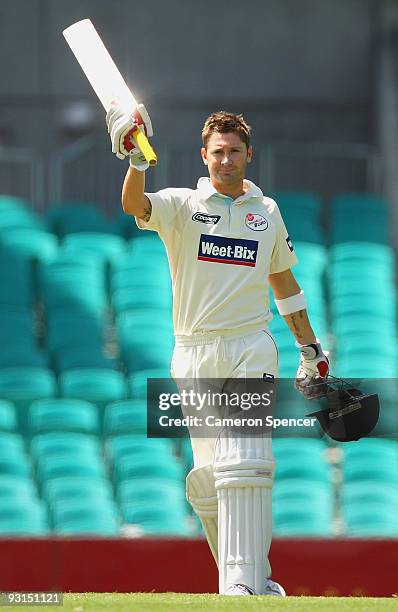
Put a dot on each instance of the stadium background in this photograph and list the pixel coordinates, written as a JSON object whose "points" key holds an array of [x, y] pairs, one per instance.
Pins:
{"points": [[85, 301]]}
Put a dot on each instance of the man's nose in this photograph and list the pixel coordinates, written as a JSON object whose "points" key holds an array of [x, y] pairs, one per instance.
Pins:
{"points": [[226, 159]]}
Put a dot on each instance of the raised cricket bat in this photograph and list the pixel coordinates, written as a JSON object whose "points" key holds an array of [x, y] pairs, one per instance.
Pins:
{"points": [[104, 76]]}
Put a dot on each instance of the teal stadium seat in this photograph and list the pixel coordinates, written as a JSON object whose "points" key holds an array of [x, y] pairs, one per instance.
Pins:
{"points": [[30, 243], [64, 442], [58, 466], [86, 356], [62, 279], [21, 519], [16, 280], [146, 340], [108, 246], [71, 217], [82, 518], [362, 253], [70, 329], [23, 385], [97, 385], [148, 466], [125, 416], [346, 209], [63, 414], [17, 489], [125, 445], [8, 417], [155, 520], [95, 490]]}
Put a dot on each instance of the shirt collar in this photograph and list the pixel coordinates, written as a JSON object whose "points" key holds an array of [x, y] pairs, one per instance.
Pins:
{"points": [[207, 190]]}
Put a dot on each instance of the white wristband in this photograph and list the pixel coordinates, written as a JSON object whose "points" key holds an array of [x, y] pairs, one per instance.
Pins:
{"points": [[294, 303]]}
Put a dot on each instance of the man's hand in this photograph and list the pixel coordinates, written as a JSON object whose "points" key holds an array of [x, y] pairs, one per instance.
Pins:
{"points": [[313, 371], [121, 127]]}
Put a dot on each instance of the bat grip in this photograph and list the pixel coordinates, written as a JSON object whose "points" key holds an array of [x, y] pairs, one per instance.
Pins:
{"points": [[144, 145]]}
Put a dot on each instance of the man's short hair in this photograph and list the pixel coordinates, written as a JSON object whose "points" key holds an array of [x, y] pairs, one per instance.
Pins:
{"points": [[223, 122]]}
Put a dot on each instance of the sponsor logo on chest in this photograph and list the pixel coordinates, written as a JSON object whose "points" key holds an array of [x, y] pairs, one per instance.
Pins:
{"points": [[235, 251], [256, 222], [205, 218]]}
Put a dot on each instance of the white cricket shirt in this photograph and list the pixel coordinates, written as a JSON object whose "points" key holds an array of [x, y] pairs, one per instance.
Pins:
{"points": [[220, 253]]}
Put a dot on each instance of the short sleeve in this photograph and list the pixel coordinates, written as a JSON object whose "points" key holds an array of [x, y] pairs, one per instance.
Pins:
{"points": [[283, 255], [166, 204]]}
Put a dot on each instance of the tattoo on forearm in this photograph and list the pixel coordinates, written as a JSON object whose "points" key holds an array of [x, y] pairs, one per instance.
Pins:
{"points": [[294, 321], [146, 215]]}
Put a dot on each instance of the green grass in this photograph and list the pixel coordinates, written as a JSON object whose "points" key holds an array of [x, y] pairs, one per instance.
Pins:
{"points": [[148, 602]]}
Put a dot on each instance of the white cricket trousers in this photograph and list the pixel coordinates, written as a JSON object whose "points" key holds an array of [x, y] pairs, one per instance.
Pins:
{"points": [[227, 355]]}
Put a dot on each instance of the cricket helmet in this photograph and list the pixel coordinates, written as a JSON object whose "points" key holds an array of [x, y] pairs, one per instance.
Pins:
{"points": [[350, 414]]}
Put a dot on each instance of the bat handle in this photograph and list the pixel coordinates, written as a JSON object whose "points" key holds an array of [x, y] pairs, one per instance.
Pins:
{"points": [[143, 143]]}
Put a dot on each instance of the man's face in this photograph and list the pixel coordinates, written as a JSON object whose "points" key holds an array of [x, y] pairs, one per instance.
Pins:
{"points": [[226, 157]]}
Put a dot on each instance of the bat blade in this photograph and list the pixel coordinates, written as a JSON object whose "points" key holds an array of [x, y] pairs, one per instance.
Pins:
{"points": [[98, 66], [104, 76]]}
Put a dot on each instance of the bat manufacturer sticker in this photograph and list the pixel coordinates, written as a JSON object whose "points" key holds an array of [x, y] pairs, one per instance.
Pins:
{"points": [[235, 251], [256, 222], [205, 218]]}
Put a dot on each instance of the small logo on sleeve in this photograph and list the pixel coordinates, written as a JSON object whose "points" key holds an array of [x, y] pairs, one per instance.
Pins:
{"points": [[220, 249], [289, 244], [205, 218], [255, 222]]}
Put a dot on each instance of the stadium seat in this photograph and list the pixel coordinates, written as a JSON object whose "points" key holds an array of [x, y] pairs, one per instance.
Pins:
{"points": [[362, 253], [355, 470], [10, 202], [109, 247], [70, 217], [70, 329], [11, 443], [124, 445], [8, 418], [19, 518], [370, 521], [16, 280], [66, 465], [74, 357], [17, 489], [351, 203], [30, 243], [19, 218], [142, 246], [24, 385], [155, 492], [82, 517], [125, 416], [17, 466], [307, 520], [303, 467], [140, 296], [155, 520], [78, 488], [63, 414], [138, 382], [98, 385], [62, 279], [64, 442], [129, 467]]}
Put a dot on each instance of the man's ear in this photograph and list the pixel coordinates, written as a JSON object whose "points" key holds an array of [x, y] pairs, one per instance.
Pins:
{"points": [[203, 153], [249, 154]]}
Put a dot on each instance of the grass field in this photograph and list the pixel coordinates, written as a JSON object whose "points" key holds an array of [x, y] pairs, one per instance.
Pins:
{"points": [[147, 602]]}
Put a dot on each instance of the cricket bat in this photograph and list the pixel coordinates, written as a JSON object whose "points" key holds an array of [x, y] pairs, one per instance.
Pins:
{"points": [[104, 76]]}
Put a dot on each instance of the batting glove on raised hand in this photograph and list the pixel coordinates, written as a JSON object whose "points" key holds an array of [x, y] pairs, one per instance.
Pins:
{"points": [[121, 127], [313, 370]]}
